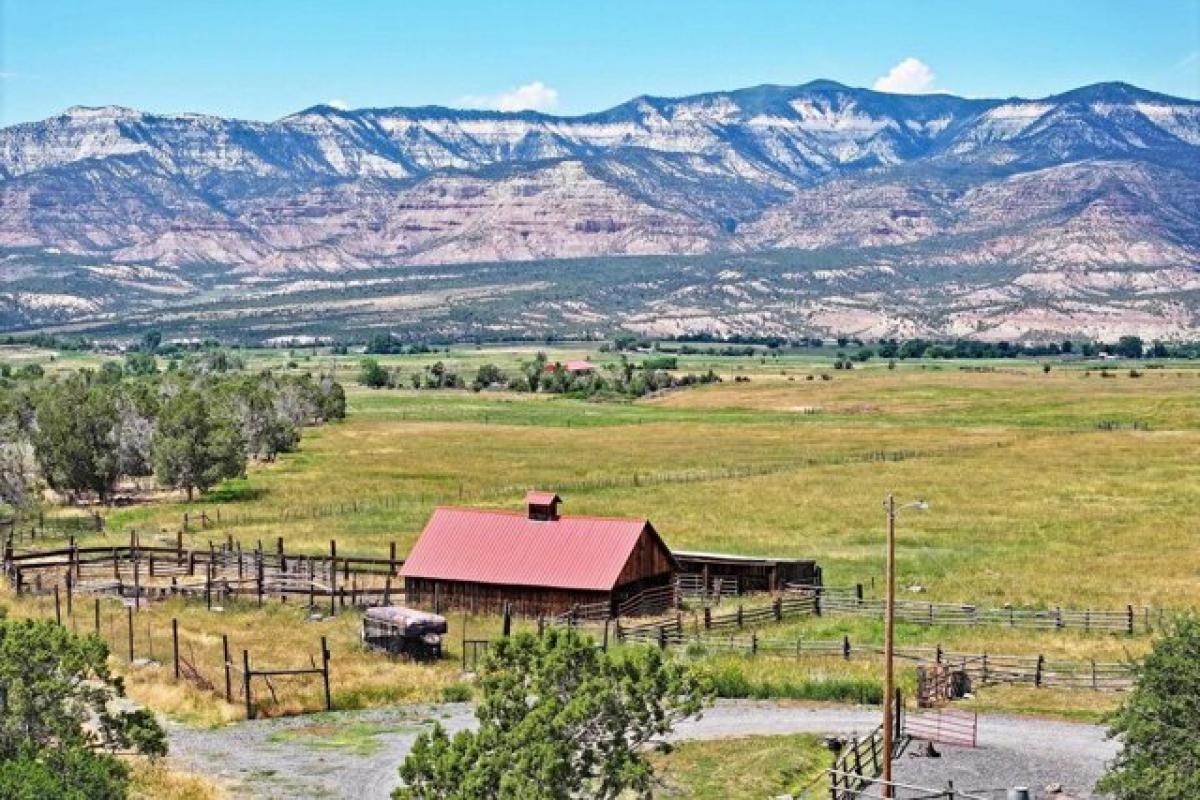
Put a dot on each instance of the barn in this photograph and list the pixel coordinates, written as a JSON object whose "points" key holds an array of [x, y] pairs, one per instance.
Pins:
{"points": [[536, 561]]}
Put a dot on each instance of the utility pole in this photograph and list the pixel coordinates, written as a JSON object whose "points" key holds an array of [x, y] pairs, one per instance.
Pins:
{"points": [[889, 621]]}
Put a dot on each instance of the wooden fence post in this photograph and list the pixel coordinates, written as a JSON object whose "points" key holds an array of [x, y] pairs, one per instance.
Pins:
{"points": [[57, 607], [246, 684], [228, 668], [1037, 676], [97, 612], [129, 609], [707, 618], [777, 607], [846, 648], [392, 558], [175, 644], [1129, 620], [325, 673]]}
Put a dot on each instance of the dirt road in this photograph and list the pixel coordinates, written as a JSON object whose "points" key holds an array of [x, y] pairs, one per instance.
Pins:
{"points": [[355, 754]]}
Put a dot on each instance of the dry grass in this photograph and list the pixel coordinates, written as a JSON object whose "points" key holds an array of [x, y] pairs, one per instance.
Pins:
{"points": [[276, 636], [154, 780], [750, 767]]}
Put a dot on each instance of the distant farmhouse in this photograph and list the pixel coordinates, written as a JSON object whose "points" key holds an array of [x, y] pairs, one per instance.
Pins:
{"points": [[540, 562]]}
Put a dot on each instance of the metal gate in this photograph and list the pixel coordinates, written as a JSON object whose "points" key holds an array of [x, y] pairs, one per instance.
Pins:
{"points": [[944, 725]]}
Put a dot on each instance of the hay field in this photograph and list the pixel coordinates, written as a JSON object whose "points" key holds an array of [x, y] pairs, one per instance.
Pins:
{"points": [[1060, 488], [1041, 490]]}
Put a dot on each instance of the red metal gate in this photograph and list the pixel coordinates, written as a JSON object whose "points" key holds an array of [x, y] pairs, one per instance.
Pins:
{"points": [[944, 725]]}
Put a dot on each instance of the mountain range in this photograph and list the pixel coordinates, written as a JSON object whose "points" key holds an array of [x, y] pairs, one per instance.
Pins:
{"points": [[1086, 202]]}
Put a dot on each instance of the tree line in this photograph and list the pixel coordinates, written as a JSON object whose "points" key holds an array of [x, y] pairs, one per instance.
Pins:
{"points": [[625, 379], [80, 433]]}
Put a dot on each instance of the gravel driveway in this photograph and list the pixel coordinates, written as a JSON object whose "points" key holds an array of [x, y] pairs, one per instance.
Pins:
{"points": [[355, 754]]}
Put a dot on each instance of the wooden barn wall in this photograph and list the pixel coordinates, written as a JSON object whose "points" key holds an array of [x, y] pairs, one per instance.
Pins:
{"points": [[649, 559], [529, 601]]}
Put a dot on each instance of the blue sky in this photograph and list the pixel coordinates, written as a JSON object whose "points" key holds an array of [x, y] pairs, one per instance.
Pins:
{"points": [[263, 59]]}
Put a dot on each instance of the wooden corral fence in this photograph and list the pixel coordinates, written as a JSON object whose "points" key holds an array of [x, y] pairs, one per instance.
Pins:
{"points": [[693, 587], [671, 630], [473, 650], [650, 602], [850, 600], [266, 674], [223, 572], [978, 668], [1034, 670], [857, 767]]}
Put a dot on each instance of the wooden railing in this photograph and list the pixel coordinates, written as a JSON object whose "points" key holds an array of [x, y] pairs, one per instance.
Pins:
{"points": [[850, 600]]}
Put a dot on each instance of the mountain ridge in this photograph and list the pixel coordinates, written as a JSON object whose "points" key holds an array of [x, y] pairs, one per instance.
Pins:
{"points": [[1099, 178]]}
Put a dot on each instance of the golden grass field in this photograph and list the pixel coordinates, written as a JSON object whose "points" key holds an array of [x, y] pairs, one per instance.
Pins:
{"points": [[1041, 492]]}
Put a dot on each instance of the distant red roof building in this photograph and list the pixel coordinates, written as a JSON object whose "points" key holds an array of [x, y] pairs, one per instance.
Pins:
{"points": [[537, 561]]}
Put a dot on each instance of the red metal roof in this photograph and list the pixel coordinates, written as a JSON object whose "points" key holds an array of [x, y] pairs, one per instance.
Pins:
{"points": [[502, 547], [536, 498]]}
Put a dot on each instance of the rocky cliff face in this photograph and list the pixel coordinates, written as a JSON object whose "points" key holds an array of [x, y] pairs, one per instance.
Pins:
{"points": [[1103, 177]]}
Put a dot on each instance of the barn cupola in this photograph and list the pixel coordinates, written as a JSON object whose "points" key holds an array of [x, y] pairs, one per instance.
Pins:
{"points": [[542, 506]]}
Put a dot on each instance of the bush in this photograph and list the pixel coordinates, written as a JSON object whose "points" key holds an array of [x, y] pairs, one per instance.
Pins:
{"points": [[372, 375], [660, 362], [457, 693]]}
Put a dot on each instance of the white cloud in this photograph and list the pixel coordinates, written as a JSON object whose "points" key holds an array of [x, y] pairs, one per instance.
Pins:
{"points": [[535, 96], [910, 76], [340, 105]]}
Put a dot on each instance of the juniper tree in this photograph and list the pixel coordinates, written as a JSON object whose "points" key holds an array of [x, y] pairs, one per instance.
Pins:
{"points": [[55, 723], [196, 444], [558, 719], [1159, 722]]}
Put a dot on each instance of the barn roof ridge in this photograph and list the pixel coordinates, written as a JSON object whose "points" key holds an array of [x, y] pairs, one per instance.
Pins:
{"points": [[516, 513]]}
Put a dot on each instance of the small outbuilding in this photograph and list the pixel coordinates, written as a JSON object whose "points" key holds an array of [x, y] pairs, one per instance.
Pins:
{"points": [[744, 573], [536, 561]]}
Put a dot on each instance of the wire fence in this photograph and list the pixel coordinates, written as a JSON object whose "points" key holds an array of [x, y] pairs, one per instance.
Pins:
{"points": [[219, 663]]}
